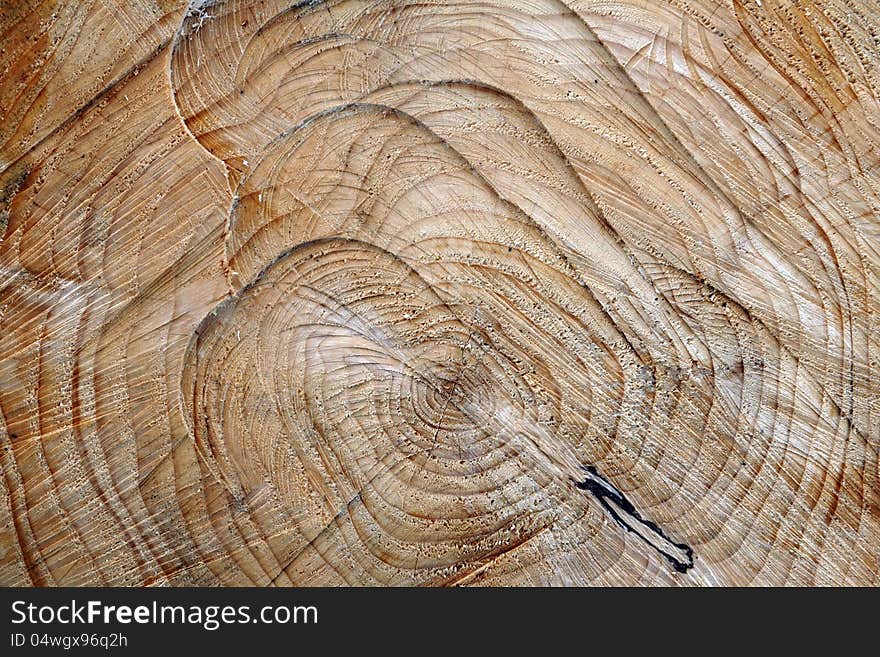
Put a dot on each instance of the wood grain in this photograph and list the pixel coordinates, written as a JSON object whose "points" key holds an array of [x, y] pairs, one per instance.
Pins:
{"points": [[440, 293]]}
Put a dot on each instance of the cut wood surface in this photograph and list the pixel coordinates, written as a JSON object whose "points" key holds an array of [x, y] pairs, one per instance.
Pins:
{"points": [[481, 293]]}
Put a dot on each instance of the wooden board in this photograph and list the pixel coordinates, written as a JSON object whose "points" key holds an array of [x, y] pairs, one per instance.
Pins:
{"points": [[436, 293]]}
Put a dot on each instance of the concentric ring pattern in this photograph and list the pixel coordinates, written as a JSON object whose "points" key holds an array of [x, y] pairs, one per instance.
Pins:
{"points": [[504, 292]]}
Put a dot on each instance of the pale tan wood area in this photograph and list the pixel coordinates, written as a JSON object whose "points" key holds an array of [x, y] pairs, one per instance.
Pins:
{"points": [[440, 293]]}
